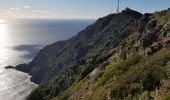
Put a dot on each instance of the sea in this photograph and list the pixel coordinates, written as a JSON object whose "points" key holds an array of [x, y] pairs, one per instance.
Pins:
{"points": [[20, 41]]}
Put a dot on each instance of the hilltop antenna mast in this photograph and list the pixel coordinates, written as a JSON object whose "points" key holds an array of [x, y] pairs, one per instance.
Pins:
{"points": [[118, 7]]}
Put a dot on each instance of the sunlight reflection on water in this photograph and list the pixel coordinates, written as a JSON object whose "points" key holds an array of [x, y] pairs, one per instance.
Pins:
{"points": [[20, 40], [13, 84], [4, 41]]}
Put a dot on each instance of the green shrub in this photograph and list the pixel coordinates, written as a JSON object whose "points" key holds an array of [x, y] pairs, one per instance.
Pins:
{"points": [[63, 96], [89, 68], [150, 83], [36, 95], [55, 90], [117, 69], [167, 96], [144, 76], [167, 69], [92, 64], [78, 84], [123, 55]]}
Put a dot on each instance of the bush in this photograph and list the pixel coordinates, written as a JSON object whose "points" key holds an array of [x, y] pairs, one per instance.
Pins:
{"points": [[150, 83], [36, 95], [92, 64], [63, 96], [117, 69], [55, 90], [166, 97], [144, 76]]}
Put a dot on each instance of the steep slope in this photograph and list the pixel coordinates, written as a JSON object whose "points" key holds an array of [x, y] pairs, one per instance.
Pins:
{"points": [[130, 59], [100, 37]]}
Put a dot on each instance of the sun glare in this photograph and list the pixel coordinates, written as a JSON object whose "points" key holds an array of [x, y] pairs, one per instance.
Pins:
{"points": [[3, 33], [2, 21], [2, 30], [4, 40]]}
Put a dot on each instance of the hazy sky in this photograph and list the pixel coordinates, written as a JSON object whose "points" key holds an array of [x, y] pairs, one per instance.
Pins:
{"points": [[74, 9]]}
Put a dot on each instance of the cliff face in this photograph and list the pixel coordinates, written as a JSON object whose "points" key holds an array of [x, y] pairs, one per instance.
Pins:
{"points": [[106, 33], [122, 56]]}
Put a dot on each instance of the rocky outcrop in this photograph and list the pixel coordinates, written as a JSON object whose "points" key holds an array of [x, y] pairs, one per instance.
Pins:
{"points": [[22, 67], [9, 67]]}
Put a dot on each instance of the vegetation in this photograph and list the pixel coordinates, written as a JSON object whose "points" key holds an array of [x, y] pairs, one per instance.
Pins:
{"points": [[36, 95], [137, 68]]}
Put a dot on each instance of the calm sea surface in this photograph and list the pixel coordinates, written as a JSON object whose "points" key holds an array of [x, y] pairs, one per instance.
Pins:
{"points": [[20, 40]]}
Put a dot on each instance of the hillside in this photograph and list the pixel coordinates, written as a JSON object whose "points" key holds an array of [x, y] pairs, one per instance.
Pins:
{"points": [[100, 37], [121, 56]]}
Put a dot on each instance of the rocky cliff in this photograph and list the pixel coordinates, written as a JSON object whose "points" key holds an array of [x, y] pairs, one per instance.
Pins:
{"points": [[100, 37], [121, 56]]}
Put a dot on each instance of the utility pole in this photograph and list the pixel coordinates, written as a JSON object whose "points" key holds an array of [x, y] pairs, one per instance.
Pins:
{"points": [[118, 7]]}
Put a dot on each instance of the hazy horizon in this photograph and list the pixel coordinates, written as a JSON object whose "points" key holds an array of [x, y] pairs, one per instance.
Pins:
{"points": [[73, 9]]}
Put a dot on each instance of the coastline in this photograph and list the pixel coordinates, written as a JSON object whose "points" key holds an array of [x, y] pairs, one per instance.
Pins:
{"points": [[18, 81], [21, 68]]}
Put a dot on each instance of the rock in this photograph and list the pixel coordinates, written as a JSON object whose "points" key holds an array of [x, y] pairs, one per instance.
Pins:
{"points": [[22, 67], [9, 67]]}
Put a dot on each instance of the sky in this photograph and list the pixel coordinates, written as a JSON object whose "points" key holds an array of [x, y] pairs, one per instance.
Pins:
{"points": [[74, 9]]}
